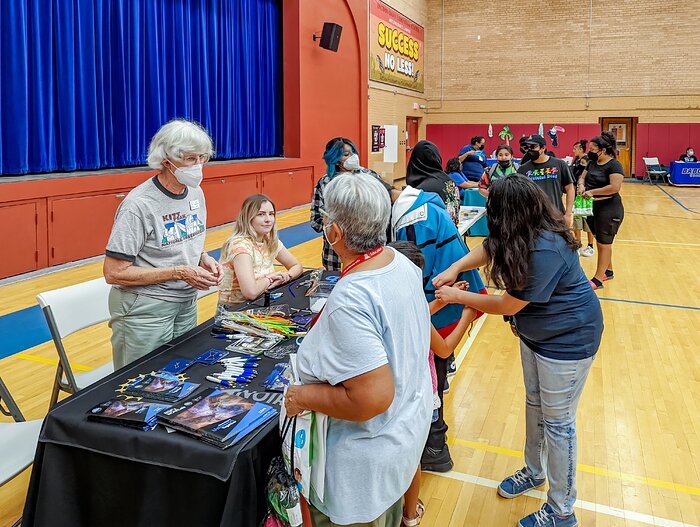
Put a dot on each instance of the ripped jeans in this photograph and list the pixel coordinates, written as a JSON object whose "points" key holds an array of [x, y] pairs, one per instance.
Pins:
{"points": [[552, 389]]}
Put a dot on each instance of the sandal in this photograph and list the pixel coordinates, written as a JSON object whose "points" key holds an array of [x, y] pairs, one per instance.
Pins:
{"points": [[413, 522]]}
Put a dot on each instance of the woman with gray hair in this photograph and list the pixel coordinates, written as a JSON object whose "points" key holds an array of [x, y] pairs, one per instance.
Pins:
{"points": [[364, 364], [155, 258]]}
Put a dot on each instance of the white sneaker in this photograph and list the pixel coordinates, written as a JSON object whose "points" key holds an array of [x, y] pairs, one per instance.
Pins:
{"points": [[588, 251]]}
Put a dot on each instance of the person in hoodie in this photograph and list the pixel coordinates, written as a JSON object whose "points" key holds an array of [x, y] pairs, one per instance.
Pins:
{"points": [[424, 172], [421, 217], [340, 156]]}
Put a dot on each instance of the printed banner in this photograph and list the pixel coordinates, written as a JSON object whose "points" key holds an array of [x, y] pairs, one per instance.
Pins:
{"points": [[395, 47]]}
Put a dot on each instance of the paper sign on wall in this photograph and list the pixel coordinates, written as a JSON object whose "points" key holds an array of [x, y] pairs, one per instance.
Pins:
{"points": [[391, 143]]}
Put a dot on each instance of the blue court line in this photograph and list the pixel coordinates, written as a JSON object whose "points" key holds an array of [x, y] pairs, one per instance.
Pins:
{"points": [[674, 306], [674, 199], [27, 327]]}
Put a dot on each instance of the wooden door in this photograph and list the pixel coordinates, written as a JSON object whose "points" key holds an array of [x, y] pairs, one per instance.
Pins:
{"points": [[412, 124], [624, 129]]}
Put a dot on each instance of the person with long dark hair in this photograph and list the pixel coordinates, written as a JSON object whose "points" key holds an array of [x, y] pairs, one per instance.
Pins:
{"points": [[531, 255], [424, 172], [602, 181], [473, 158]]}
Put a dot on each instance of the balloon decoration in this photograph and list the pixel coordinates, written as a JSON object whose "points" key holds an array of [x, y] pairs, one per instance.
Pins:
{"points": [[505, 134]]}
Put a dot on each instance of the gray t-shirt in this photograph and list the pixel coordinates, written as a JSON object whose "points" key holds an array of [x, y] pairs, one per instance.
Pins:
{"points": [[155, 228], [373, 318]]}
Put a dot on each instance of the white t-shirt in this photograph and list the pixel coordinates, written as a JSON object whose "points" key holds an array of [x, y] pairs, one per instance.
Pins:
{"points": [[373, 318]]}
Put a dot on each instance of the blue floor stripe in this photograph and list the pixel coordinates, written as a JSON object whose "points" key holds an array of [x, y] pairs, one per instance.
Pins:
{"points": [[675, 306], [27, 328], [674, 199]]}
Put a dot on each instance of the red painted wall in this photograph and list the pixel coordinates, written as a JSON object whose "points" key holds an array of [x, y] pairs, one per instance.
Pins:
{"points": [[449, 138], [325, 95], [667, 141]]}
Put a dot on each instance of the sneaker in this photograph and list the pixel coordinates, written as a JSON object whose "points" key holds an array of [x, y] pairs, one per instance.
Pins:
{"points": [[588, 251], [545, 517], [517, 484], [609, 275], [434, 460], [451, 366], [446, 389]]}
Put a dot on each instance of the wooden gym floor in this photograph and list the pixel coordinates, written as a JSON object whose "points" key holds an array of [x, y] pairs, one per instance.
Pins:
{"points": [[639, 417]]}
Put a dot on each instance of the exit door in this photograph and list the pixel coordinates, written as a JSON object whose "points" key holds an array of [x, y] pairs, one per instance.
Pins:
{"points": [[412, 124], [623, 128]]}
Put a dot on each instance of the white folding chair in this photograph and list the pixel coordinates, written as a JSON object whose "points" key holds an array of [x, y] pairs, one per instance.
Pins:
{"points": [[68, 310], [654, 170], [18, 440]]}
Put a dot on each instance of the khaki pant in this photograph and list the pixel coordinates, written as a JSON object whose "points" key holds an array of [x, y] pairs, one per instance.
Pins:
{"points": [[141, 324], [390, 518], [580, 224]]}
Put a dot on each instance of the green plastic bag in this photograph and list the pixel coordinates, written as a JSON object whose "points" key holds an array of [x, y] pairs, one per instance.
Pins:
{"points": [[583, 206]]}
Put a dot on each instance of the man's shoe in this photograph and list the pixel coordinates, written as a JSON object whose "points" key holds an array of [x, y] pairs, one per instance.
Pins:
{"points": [[545, 517], [588, 251], [517, 484], [434, 460]]}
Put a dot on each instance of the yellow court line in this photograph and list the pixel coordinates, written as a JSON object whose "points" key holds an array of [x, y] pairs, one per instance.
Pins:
{"points": [[612, 474], [54, 362]]}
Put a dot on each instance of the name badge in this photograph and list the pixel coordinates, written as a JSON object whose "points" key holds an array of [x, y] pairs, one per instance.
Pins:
{"points": [[194, 204]]}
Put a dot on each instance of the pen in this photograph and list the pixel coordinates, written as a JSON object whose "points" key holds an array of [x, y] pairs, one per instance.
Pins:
{"points": [[220, 381]]}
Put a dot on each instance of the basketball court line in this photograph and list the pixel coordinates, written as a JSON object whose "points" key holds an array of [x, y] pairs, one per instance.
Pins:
{"points": [[598, 508]]}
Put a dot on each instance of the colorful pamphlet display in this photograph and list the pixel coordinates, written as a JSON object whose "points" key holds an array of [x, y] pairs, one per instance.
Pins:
{"points": [[217, 417]]}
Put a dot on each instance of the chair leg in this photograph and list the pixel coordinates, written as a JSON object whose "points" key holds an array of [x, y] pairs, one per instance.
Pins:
{"points": [[56, 387]]}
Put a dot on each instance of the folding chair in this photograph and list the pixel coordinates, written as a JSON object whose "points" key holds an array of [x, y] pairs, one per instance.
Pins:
{"points": [[68, 310], [18, 440], [654, 170]]}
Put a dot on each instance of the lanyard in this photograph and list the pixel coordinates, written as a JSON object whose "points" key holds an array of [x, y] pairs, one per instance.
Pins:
{"points": [[361, 259]]}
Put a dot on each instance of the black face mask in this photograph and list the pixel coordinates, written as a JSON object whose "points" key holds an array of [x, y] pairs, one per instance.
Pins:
{"points": [[593, 156], [504, 164], [534, 154]]}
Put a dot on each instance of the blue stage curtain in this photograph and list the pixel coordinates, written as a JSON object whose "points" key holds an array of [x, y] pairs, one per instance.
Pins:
{"points": [[86, 83]]}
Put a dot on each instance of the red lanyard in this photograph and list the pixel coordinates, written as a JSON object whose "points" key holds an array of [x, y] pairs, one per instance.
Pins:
{"points": [[362, 259]]}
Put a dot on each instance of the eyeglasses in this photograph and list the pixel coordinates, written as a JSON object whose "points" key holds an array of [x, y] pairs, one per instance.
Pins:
{"points": [[194, 158]]}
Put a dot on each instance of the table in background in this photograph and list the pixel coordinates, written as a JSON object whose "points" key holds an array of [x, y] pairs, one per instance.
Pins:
{"points": [[468, 216], [684, 173], [473, 199], [89, 474]]}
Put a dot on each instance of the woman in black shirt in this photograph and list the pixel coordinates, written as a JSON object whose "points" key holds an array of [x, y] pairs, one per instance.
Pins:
{"points": [[602, 181]]}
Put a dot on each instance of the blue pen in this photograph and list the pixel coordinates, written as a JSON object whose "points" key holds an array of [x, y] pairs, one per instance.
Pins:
{"points": [[220, 381]]}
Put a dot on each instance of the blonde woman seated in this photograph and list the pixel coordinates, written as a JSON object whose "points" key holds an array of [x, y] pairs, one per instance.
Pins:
{"points": [[248, 256]]}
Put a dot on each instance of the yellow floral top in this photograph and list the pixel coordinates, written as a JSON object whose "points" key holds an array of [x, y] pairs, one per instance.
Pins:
{"points": [[263, 265]]}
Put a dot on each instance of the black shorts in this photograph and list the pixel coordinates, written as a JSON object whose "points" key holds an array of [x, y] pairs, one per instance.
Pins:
{"points": [[607, 218]]}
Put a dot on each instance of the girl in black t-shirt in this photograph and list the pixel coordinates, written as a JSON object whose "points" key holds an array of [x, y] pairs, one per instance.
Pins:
{"points": [[602, 181]]}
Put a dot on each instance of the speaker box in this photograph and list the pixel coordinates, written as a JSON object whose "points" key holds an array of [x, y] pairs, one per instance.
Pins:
{"points": [[330, 38]]}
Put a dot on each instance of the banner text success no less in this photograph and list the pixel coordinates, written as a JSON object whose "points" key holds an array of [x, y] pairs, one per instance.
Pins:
{"points": [[394, 40]]}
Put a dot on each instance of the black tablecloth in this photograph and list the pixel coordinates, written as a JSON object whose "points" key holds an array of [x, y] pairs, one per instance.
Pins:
{"points": [[99, 475]]}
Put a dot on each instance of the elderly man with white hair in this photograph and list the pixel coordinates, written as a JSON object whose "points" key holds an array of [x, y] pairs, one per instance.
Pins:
{"points": [[155, 258], [365, 364]]}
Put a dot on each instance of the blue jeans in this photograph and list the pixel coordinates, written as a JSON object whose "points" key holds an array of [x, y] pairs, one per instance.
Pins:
{"points": [[553, 388]]}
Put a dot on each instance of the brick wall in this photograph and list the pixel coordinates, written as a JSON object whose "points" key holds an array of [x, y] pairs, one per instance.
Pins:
{"points": [[522, 59], [390, 105]]}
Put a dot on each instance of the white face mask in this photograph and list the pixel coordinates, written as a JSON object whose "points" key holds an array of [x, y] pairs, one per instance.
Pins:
{"points": [[325, 236], [190, 176], [352, 162]]}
